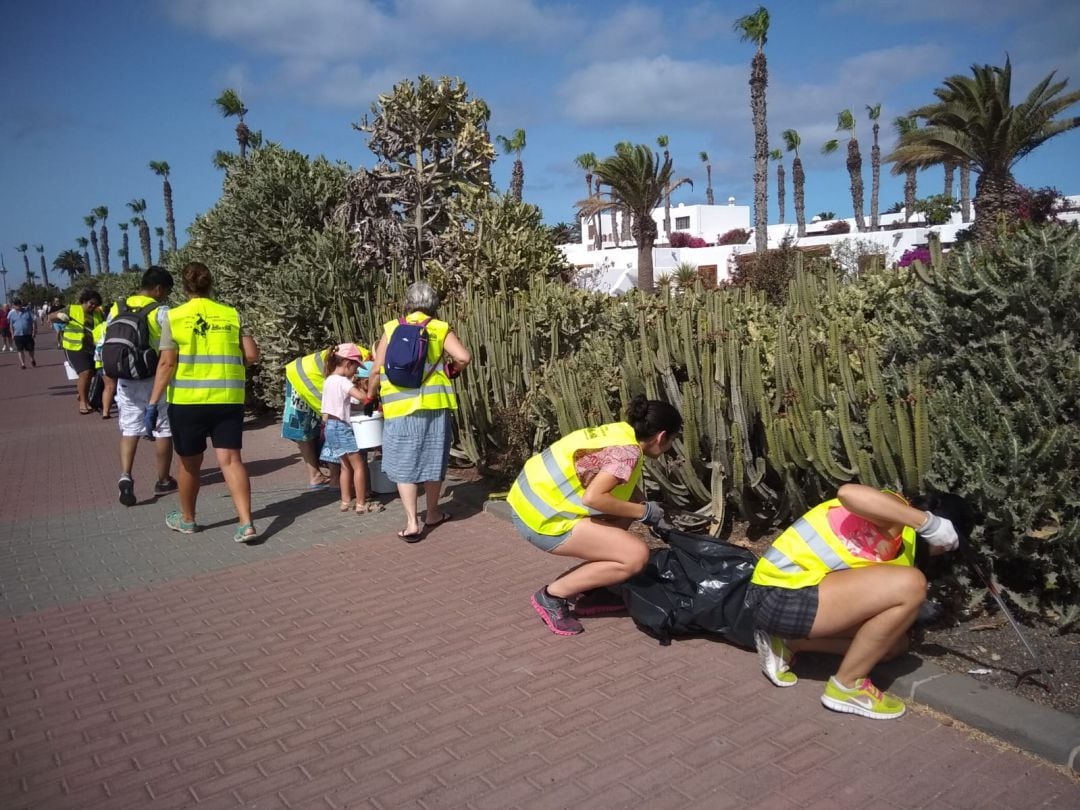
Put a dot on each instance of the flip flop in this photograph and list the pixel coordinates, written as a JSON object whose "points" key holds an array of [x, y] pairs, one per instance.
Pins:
{"points": [[446, 516], [413, 537], [84, 413]]}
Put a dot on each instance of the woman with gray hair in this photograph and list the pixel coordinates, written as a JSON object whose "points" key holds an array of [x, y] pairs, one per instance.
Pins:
{"points": [[418, 428]]}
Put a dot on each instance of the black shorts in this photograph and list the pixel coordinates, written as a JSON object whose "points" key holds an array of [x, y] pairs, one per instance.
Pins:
{"points": [[192, 425], [5, 331], [24, 343], [80, 361], [784, 612]]}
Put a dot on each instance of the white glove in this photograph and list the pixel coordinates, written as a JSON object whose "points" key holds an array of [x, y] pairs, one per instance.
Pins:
{"points": [[939, 532]]}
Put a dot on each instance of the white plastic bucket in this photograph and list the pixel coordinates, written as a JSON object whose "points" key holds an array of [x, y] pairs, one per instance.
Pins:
{"points": [[377, 480], [367, 430]]}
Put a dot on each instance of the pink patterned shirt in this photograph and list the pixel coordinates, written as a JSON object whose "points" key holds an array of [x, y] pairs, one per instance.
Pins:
{"points": [[617, 460]]}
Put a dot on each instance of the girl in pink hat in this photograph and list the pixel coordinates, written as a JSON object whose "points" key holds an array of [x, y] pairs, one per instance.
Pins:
{"points": [[340, 443]]}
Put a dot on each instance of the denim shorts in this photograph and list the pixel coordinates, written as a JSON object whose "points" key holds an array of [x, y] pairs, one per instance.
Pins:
{"points": [[340, 440], [544, 542]]}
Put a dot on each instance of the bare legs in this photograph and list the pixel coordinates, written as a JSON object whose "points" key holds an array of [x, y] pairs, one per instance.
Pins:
{"points": [[311, 461], [82, 387], [108, 394], [354, 478], [236, 479], [612, 555], [864, 614]]}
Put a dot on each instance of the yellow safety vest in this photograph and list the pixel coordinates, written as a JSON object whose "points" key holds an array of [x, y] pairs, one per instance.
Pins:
{"points": [[99, 334], [137, 302], [436, 393], [75, 330], [547, 492], [308, 375], [210, 366], [809, 549]]}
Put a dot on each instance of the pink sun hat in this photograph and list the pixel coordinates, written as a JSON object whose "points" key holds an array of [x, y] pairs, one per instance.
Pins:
{"points": [[349, 351]]}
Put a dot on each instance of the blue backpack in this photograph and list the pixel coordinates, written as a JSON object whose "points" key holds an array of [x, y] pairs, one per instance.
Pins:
{"points": [[406, 354]]}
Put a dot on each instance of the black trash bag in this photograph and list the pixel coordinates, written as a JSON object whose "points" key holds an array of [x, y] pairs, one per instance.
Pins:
{"points": [[696, 585], [96, 391]]}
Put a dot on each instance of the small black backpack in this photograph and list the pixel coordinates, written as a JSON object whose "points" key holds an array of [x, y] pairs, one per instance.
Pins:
{"points": [[126, 353]]}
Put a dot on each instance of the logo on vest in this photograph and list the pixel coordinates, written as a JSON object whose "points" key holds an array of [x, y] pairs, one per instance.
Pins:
{"points": [[201, 326]]}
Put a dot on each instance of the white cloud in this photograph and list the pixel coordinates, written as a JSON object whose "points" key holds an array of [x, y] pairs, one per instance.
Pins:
{"points": [[654, 90], [976, 12], [633, 29], [337, 30]]}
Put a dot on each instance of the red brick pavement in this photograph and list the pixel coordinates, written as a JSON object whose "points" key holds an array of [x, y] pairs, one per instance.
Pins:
{"points": [[372, 673], [379, 674], [54, 460]]}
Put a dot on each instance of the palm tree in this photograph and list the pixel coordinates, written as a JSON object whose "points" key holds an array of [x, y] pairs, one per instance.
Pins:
{"points": [[138, 208], [637, 180], [626, 232], [26, 262], [230, 105], [792, 142], [903, 125], [845, 122], [950, 172], [70, 262], [708, 177], [41, 258], [778, 156], [91, 221], [123, 226], [755, 28], [975, 122], [587, 162], [564, 233], [160, 234], [514, 145], [102, 213], [161, 169], [965, 192], [662, 141], [874, 112], [82, 242]]}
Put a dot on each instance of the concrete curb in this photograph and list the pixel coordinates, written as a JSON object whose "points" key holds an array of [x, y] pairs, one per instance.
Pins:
{"points": [[1049, 733]]}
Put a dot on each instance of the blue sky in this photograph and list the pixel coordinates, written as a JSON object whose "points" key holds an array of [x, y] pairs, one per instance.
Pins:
{"points": [[91, 92]]}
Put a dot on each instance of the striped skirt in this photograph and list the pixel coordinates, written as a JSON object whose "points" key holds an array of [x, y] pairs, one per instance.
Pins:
{"points": [[416, 447]]}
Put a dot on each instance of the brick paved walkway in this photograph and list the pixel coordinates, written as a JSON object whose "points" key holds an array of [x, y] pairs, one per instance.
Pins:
{"points": [[335, 666]]}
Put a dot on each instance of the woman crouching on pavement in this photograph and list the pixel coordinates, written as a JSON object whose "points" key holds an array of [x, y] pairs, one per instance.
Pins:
{"points": [[843, 580], [578, 498]]}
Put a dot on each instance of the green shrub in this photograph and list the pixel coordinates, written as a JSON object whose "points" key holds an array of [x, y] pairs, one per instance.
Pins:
{"points": [[1000, 332]]}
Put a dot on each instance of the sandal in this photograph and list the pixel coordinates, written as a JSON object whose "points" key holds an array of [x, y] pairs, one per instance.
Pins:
{"points": [[84, 412], [345, 506], [412, 537], [369, 507], [175, 521], [245, 533]]}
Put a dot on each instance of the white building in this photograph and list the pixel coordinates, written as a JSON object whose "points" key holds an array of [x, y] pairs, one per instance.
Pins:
{"points": [[613, 268]]}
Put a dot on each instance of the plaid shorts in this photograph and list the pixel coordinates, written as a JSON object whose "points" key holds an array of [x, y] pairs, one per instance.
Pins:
{"points": [[784, 612]]}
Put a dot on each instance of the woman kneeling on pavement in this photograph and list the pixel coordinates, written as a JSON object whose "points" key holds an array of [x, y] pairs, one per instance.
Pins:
{"points": [[843, 580], [578, 498]]}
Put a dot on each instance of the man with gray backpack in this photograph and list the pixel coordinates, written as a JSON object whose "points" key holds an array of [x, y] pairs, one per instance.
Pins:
{"points": [[129, 355]]}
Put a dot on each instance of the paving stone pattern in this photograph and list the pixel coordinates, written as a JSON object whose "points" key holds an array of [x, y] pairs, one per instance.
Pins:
{"points": [[335, 666]]}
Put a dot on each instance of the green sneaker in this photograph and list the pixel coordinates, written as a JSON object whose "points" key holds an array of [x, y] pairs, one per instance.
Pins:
{"points": [[775, 659], [864, 699]]}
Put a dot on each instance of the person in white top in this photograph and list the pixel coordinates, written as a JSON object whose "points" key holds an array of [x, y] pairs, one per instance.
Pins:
{"points": [[340, 442]]}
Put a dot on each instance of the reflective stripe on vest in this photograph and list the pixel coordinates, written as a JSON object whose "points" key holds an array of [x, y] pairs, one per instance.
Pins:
{"points": [[437, 392], [809, 549], [75, 330], [210, 363], [547, 494]]}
